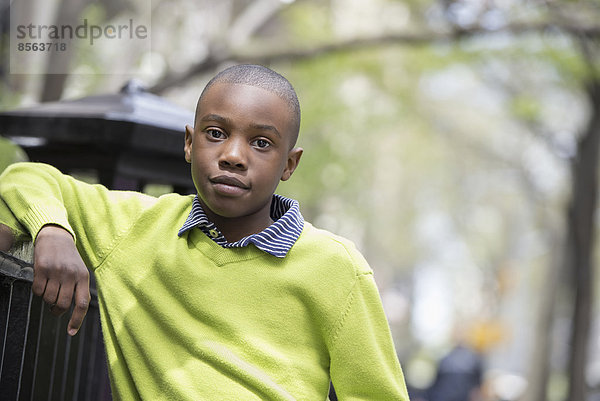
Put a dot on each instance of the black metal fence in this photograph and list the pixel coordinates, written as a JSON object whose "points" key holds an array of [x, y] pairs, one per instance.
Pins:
{"points": [[39, 361]]}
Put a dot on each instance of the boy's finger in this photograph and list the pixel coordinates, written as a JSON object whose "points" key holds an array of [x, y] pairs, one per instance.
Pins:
{"points": [[39, 284], [51, 292], [82, 302], [63, 301]]}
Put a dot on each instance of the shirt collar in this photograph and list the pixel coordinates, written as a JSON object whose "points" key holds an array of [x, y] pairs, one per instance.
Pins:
{"points": [[277, 239]]}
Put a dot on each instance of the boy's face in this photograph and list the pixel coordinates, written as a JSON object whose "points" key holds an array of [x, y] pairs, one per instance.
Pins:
{"points": [[240, 149]]}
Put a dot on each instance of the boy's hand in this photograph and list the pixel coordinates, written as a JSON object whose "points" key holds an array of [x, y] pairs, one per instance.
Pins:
{"points": [[7, 238], [60, 276]]}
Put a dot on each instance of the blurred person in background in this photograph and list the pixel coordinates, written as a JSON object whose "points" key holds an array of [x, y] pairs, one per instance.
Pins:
{"points": [[460, 373], [459, 376]]}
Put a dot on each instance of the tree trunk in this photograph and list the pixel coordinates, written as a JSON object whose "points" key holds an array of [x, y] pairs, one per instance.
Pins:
{"points": [[16, 82], [54, 84], [4, 40], [540, 368], [581, 216]]}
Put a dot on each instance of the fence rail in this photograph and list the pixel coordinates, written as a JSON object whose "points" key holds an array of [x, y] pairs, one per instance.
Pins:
{"points": [[39, 361]]}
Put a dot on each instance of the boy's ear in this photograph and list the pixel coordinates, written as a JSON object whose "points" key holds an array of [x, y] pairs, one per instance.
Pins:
{"points": [[187, 147], [292, 162]]}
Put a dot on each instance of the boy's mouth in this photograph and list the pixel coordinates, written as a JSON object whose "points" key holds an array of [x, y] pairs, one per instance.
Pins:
{"points": [[228, 180], [228, 185]]}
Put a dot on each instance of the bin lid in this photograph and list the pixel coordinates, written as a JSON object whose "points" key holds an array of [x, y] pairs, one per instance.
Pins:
{"points": [[132, 118], [131, 133]]}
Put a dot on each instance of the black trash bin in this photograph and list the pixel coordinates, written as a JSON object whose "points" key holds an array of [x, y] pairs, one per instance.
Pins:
{"points": [[39, 361]]}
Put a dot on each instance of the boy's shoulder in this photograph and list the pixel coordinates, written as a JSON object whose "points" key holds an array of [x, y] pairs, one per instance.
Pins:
{"points": [[175, 198], [167, 201], [168, 205], [325, 246]]}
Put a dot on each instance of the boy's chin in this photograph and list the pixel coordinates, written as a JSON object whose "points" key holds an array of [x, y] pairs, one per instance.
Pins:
{"points": [[235, 208], [224, 212]]}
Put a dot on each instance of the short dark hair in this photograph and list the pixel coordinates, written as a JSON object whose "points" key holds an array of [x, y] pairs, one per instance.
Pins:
{"points": [[264, 78]]}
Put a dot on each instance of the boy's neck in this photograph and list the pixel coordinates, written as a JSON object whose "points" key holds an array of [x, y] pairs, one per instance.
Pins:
{"points": [[236, 228]]}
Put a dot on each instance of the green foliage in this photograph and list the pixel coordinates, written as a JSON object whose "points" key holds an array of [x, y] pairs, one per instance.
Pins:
{"points": [[569, 63], [526, 108], [10, 153], [308, 22]]}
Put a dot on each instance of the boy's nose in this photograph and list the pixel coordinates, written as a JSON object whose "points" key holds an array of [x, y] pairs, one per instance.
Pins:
{"points": [[233, 155]]}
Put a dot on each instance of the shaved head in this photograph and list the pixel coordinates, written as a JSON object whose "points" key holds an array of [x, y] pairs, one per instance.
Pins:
{"points": [[264, 78]]}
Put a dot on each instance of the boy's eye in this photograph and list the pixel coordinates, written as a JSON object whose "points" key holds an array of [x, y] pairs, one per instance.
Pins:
{"points": [[214, 133], [262, 143]]}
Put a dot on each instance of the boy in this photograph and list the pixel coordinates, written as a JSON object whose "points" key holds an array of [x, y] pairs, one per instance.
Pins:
{"points": [[228, 295]]}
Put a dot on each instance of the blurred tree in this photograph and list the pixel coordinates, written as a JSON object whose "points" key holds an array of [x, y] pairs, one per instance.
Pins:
{"points": [[54, 83], [70, 12], [4, 42], [581, 218]]}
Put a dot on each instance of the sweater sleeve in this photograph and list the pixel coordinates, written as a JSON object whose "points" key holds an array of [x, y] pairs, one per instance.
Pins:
{"points": [[364, 365], [8, 219], [38, 194]]}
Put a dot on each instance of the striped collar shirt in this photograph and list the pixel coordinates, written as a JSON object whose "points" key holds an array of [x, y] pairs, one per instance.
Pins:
{"points": [[277, 239]]}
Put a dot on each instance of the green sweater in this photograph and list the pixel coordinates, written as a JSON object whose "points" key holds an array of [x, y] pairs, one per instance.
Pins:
{"points": [[185, 319]]}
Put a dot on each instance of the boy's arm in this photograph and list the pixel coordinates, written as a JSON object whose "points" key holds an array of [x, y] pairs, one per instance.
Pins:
{"points": [[97, 218], [65, 218], [364, 364], [59, 273]]}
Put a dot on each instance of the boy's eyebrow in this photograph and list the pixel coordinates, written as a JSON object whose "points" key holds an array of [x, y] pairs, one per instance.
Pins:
{"points": [[265, 127], [225, 120], [215, 117]]}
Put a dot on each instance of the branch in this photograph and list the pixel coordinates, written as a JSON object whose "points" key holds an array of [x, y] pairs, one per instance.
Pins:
{"points": [[217, 58], [254, 16]]}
